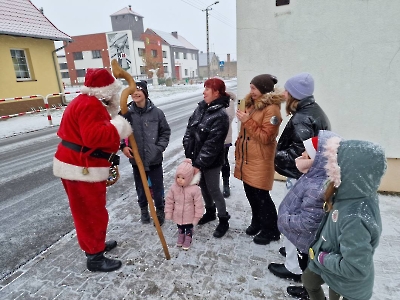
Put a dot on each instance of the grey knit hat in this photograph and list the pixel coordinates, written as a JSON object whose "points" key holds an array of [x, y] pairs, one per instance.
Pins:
{"points": [[300, 86]]}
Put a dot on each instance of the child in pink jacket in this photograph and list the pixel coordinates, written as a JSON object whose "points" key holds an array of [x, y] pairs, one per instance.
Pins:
{"points": [[184, 203]]}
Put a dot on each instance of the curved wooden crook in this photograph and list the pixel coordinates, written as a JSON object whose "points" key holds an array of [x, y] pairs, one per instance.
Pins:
{"points": [[118, 72]]}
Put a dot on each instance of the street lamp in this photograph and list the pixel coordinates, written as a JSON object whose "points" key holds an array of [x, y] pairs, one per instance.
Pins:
{"points": [[208, 42]]}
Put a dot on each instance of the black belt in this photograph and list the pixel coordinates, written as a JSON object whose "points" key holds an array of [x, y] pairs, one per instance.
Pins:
{"points": [[111, 157]]}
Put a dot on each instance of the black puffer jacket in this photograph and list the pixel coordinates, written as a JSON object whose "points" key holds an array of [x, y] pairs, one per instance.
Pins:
{"points": [[206, 132], [151, 131], [305, 123]]}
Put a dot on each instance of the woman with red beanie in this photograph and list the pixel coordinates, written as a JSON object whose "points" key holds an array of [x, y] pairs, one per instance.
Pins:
{"points": [[204, 144]]}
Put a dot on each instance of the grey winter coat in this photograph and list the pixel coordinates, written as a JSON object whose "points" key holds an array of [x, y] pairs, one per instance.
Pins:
{"points": [[151, 131], [350, 232], [305, 123], [301, 212]]}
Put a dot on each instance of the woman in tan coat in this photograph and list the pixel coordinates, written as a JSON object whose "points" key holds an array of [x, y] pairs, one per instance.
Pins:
{"points": [[255, 153]]}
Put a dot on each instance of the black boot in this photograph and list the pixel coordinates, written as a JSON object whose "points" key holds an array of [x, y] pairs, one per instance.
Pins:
{"points": [[265, 237], [99, 263], [110, 245], [208, 216], [223, 226], [145, 216], [227, 190], [160, 215]]}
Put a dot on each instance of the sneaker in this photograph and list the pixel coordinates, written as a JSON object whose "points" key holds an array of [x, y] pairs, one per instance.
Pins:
{"points": [[181, 238], [188, 241]]}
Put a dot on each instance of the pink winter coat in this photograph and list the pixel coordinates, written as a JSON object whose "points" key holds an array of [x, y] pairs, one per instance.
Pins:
{"points": [[184, 205]]}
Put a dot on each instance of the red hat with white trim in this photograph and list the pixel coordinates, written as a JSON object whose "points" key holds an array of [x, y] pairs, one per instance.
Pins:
{"points": [[311, 146], [100, 83]]}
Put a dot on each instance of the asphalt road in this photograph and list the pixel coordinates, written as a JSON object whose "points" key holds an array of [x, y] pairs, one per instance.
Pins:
{"points": [[34, 210]]}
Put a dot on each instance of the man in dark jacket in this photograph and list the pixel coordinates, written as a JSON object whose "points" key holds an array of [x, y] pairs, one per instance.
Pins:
{"points": [[152, 132], [307, 119]]}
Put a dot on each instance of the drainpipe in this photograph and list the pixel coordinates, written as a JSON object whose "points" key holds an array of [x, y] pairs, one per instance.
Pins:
{"points": [[55, 66]]}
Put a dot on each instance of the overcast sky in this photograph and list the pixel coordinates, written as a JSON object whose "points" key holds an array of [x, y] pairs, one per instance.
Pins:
{"points": [[80, 17]]}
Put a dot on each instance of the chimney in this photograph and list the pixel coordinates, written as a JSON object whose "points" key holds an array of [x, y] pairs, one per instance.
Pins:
{"points": [[228, 58], [175, 34], [130, 7]]}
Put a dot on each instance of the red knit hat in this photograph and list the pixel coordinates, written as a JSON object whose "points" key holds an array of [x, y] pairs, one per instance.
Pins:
{"points": [[100, 83], [311, 146]]}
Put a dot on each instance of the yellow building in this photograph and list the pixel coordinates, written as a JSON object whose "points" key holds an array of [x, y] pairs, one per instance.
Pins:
{"points": [[28, 55]]}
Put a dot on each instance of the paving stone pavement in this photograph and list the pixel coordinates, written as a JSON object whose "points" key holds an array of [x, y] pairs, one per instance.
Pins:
{"points": [[232, 267]]}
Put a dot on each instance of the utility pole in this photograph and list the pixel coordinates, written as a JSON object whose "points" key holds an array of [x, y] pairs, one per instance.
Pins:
{"points": [[208, 41]]}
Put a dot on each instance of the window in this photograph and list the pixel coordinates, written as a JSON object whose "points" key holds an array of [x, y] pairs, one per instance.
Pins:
{"points": [[142, 70], [184, 56], [282, 2], [63, 66], [164, 54], [64, 75], [186, 72], [141, 51], [176, 54], [77, 55], [20, 62], [96, 54], [193, 56], [165, 69], [154, 53], [80, 72]]}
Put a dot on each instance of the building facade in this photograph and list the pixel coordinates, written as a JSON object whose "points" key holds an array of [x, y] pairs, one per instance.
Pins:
{"points": [[350, 48], [139, 52], [28, 55]]}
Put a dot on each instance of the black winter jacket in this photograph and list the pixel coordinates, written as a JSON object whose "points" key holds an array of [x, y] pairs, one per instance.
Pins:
{"points": [[206, 132], [305, 123], [151, 131]]}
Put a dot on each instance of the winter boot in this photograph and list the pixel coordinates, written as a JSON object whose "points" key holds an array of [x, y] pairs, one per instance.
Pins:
{"points": [[145, 216], [188, 240], [227, 190], [99, 263], [160, 215], [223, 226], [181, 237], [110, 245], [262, 238], [254, 227], [208, 216]]}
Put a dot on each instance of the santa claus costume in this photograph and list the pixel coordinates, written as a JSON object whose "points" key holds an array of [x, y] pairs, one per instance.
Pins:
{"points": [[91, 131]]}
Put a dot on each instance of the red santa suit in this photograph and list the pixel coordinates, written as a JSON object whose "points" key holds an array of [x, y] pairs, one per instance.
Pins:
{"points": [[89, 125]]}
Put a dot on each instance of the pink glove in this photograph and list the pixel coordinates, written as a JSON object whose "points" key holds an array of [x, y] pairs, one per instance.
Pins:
{"points": [[321, 256]]}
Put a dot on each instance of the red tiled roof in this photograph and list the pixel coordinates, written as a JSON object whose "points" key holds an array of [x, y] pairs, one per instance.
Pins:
{"points": [[22, 18]]}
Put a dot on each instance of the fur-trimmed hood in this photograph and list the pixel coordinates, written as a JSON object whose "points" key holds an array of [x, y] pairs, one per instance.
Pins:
{"points": [[276, 97]]}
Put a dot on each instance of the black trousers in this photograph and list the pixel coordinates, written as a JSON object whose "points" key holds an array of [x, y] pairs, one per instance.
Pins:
{"points": [[263, 209], [226, 168]]}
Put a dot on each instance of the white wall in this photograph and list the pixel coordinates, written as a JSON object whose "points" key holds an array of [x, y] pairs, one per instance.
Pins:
{"points": [[351, 47]]}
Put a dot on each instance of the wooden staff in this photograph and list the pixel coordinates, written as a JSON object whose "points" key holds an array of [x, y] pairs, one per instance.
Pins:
{"points": [[118, 72]]}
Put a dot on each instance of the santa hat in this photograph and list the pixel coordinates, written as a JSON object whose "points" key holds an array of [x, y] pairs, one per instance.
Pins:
{"points": [[100, 83], [311, 146]]}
